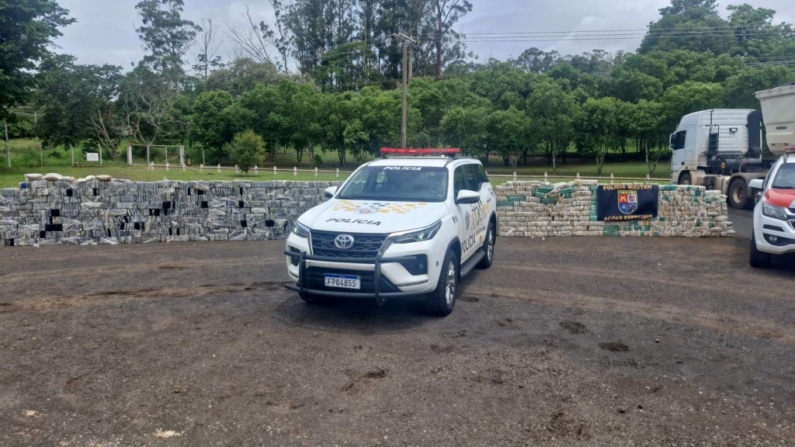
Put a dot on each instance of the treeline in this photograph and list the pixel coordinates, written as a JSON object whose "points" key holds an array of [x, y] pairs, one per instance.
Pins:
{"points": [[321, 79]]}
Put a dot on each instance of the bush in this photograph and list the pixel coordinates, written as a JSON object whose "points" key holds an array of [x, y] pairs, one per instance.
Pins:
{"points": [[246, 150], [318, 160]]}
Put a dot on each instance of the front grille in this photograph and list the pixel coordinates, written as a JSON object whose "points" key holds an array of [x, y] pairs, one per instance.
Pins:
{"points": [[316, 279], [365, 246]]}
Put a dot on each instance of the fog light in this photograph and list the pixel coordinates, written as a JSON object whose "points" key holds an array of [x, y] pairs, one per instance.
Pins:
{"points": [[773, 239]]}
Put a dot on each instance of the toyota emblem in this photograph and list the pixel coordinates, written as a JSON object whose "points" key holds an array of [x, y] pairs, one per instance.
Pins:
{"points": [[344, 241]]}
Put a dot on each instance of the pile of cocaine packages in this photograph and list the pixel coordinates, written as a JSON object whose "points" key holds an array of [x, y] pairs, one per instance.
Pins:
{"points": [[121, 212], [536, 209]]}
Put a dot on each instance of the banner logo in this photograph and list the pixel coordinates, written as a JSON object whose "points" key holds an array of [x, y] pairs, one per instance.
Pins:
{"points": [[628, 201]]}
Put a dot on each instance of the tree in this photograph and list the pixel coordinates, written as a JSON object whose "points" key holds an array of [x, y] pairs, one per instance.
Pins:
{"points": [[757, 36], [645, 125], [467, 128], [690, 25], [166, 36], [208, 58], [27, 28], [536, 61], [146, 102], [598, 123], [446, 13], [551, 112], [212, 125], [740, 88], [242, 75], [246, 150], [77, 103], [690, 97], [508, 131]]}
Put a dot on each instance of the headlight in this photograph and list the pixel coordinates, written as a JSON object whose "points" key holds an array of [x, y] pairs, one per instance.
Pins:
{"points": [[424, 234], [776, 212], [300, 230]]}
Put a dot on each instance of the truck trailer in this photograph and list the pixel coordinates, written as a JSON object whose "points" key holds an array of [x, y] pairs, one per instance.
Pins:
{"points": [[723, 149]]}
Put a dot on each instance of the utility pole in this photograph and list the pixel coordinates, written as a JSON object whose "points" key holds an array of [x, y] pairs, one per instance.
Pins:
{"points": [[404, 129]]}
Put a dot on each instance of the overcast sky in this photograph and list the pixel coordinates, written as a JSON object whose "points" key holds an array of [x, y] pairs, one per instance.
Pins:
{"points": [[105, 31]]}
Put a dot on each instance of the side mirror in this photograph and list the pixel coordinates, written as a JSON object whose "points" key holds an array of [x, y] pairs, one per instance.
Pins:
{"points": [[467, 197], [672, 140], [756, 183], [330, 192]]}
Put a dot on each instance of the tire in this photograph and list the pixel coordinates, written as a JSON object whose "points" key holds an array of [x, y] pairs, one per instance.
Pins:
{"points": [[759, 259], [685, 179], [441, 302], [739, 197], [488, 247]]}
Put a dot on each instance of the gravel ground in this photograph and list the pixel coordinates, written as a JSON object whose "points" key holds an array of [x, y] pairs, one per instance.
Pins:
{"points": [[582, 342]]}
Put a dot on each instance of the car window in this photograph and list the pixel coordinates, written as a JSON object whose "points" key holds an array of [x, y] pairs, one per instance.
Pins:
{"points": [[459, 180], [482, 173], [471, 174], [397, 183], [679, 140], [785, 177]]}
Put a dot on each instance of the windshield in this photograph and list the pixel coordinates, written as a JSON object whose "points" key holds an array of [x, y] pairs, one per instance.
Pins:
{"points": [[397, 183], [785, 177]]}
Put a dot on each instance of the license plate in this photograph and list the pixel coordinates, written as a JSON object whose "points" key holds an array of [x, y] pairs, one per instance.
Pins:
{"points": [[344, 282]]}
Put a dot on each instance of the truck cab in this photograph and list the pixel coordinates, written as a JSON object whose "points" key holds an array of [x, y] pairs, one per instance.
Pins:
{"points": [[720, 149]]}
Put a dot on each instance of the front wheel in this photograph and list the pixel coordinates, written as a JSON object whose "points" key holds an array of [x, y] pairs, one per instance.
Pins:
{"points": [[759, 259], [488, 247], [685, 179], [441, 302]]}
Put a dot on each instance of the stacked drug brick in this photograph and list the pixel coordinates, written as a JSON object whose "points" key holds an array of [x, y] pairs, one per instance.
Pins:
{"points": [[121, 212], [535, 209]]}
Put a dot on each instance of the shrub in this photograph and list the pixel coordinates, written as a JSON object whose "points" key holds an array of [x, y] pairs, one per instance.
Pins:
{"points": [[246, 149]]}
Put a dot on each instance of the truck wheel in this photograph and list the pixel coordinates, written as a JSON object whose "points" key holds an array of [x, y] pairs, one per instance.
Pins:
{"points": [[441, 302], [759, 259], [739, 197], [685, 179], [488, 247]]}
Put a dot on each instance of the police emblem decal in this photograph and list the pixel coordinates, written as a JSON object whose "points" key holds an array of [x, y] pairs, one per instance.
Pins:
{"points": [[628, 201]]}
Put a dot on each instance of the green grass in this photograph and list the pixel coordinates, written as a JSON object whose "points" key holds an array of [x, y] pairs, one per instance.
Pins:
{"points": [[12, 178], [58, 160]]}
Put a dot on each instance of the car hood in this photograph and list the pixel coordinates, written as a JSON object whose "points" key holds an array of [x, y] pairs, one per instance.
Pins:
{"points": [[781, 197], [354, 216]]}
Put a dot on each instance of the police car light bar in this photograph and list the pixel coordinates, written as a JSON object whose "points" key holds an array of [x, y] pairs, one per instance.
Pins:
{"points": [[790, 150], [415, 152]]}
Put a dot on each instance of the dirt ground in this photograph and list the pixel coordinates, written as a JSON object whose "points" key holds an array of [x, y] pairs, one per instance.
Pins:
{"points": [[581, 342]]}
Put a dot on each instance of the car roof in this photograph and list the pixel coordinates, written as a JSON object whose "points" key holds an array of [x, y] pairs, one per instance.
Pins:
{"points": [[435, 162]]}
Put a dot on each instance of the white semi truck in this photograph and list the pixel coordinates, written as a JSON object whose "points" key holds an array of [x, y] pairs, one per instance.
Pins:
{"points": [[722, 149]]}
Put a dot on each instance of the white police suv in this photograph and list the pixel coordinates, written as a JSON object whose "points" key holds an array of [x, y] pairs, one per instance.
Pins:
{"points": [[774, 214], [398, 227]]}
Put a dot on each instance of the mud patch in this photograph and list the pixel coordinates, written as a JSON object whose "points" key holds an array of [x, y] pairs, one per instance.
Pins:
{"points": [[564, 424], [6, 308], [614, 347], [469, 299], [442, 349], [573, 327], [377, 374]]}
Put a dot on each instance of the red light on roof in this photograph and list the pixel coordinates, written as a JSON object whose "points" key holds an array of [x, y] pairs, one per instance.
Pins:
{"points": [[790, 150], [393, 151]]}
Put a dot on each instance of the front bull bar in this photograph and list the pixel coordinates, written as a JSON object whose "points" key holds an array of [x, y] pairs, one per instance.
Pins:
{"points": [[380, 298]]}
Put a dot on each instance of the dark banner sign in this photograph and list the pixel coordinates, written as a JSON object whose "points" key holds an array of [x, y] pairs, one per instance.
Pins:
{"points": [[618, 203]]}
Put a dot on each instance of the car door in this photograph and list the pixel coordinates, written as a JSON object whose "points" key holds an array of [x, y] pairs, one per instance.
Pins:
{"points": [[467, 213], [476, 179]]}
